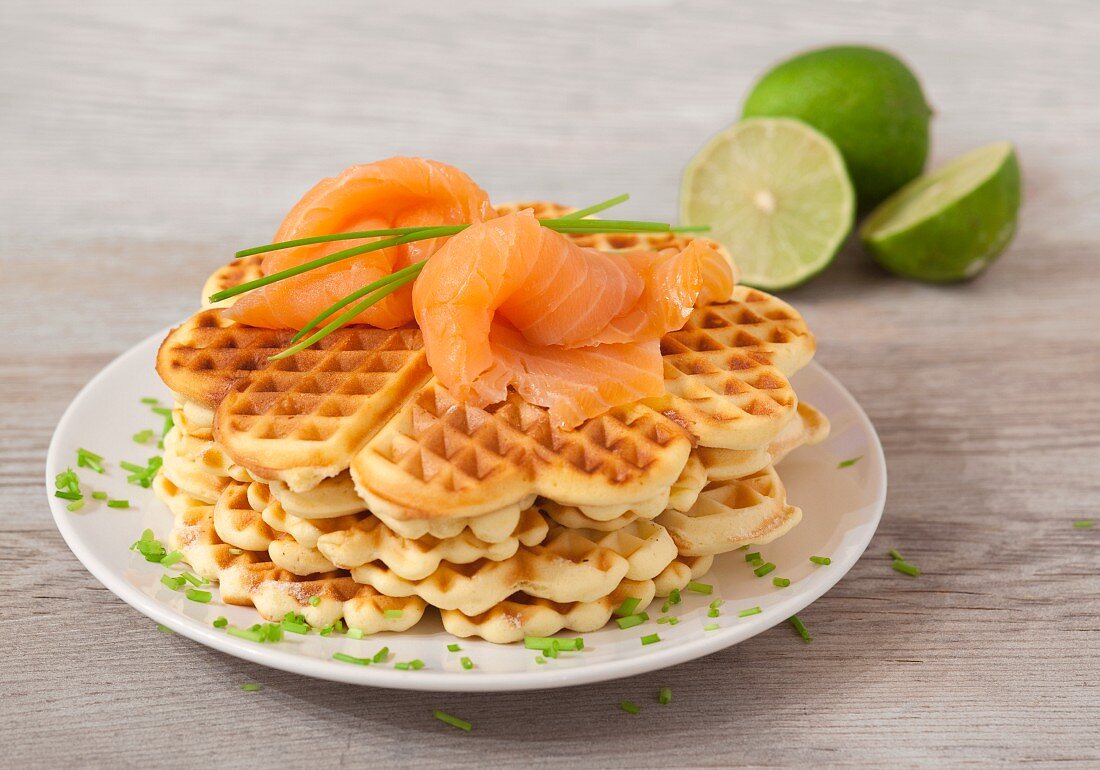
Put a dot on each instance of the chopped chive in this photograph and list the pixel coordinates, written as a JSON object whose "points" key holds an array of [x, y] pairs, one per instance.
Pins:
{"points": [[711, 627], [118, 503], [540, 660], [552, 652], [650, 639], [164, 629], [752, 556], [195, 581], [99, 495], [664, 619], [664, 696], [905, 567], [453, 648], [628, 606], [466, 663], [822, 560], [273, 632], [251, 687], [674, 596], [90, 460], [781, 582], [315, 600], [326, 630], [548, 643], [150, 400], [75, 506], [800, 628], [630, 708], [299, 628], [252, 635], [749, 611], [1084, 524], [673, 620], [195, 595], [351, 659], [220, 622], [401, 666], [381, 655], [716, 603], [174, 583], [453, 721], [849, 463], [763, 569], [700, 588], [632, 620], [143, 436], [68, 495], [713, 612], [895, 555], [171, 558], [416, 665], [392, 614], [353, 633], [666, 606]]}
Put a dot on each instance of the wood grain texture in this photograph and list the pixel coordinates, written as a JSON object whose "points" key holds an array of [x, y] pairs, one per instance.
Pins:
{"points": [[142, 142]]}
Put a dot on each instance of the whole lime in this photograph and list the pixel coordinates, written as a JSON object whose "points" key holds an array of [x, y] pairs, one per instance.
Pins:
{"points": [[866, 100]]}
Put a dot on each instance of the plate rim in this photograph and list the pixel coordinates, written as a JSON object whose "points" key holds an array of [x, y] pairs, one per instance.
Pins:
{"points": [[432, 680]]}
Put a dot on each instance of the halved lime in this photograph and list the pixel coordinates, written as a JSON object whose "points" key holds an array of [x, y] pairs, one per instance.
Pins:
{"points": [[775, 192], [950, 224]]}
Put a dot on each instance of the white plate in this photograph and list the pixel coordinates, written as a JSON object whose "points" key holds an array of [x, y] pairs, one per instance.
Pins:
{"points": [[841, 508]]}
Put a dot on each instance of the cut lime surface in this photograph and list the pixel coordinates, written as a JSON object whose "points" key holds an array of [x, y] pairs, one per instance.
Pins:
{"points": [[866, 100], [775, 192], [952, 223]]}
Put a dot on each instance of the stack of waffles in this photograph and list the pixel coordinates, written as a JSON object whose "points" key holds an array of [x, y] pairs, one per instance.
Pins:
{"points": [[346, 482]]}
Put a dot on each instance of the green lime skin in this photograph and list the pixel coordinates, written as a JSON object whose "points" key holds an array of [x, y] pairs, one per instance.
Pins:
{"points": [[864, 99], [958, 241]]}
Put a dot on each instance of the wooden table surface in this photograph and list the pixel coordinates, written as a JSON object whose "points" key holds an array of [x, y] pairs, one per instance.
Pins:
{"points": [[142, 142]]}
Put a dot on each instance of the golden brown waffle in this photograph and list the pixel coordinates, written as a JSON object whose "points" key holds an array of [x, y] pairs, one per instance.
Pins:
{"points": [[302, 560], [300, 420], [332, 498], [234, 274], [369, 540], [730, 514], [193, 419], [570, 565], [184, 469], [442, 457], [521, 615], [679, 573], [322, 599], [808, 427], [238, 519]]}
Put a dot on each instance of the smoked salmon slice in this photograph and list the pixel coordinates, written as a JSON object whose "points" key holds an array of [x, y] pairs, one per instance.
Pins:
{"points": [[508, 302], [397, 192]]}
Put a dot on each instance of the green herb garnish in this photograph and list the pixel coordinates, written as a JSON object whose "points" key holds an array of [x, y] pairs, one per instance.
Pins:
{"points": [[1084, 524], [800, 628], [632, 620], [763, 569], [118, 503], [700, 588], [90, 460], [650, 639], [351, 659], [381, 655], [467, 663], [664, 696], [195, 595], [453, 648], [822, 560], [849, 463], [781, 582], [749, 611], [906, 568], [220, 622], [628, 606], [630, 708], [453, 721], [711, 627], [251, 687]]}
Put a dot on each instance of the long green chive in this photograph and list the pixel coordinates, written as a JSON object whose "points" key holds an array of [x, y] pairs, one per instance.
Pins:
{"points": [[895, 555], [315, 600], [596, 209], [549, 643], [905, 567], [392, 614], [466, 663], [1084, 524], [252, 635], [150, 400], [822, 560], [849, 463], [251, 687], [75, 506], [700, 588], [90, 460], [350, 236], [99, 495], [763, 569], [630, 708], [351, 659], [781, 582], [800, 628], [382, 655], [353, 633], [711, 627], [195, 595], [752, 556], [651, 639], [118, 503], [174, 583], [632, 620], [664, 696], [628, 606], [171, 558], [453, 721], [220, 622], [453, 648], [192, 579], [749, 611], [65, 495], [296, 628]]}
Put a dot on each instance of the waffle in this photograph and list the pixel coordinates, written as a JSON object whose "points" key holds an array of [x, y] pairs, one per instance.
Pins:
{"points": [[521, 615], [369, 540], [492, 527], [187, 472], [439, 455], [235, 273], [193, 419], [238, 519], [680, 572], [808, 427], [332, 498], [570, 566], [730, 514], [296, 558]]}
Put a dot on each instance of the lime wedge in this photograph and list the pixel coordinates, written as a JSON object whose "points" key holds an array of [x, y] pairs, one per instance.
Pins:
{"points": [[950, 224], [775, 192]]}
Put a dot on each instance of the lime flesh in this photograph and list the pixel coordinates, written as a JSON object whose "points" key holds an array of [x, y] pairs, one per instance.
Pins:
{"points": [[949, 225], [775, 192]]}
